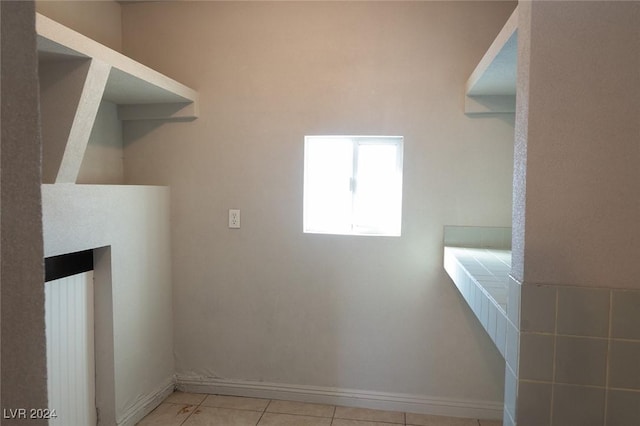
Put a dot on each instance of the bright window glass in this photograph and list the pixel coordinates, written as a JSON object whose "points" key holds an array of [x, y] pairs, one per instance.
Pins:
{"points": [[353, 185]]}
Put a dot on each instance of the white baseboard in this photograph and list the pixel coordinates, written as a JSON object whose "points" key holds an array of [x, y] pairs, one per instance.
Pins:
{"points": [[147, 404], [345, 397]]}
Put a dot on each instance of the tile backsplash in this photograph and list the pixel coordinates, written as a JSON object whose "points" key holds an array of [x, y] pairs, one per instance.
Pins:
{"points": [[626, 314], [583, 344], [572, 353]]}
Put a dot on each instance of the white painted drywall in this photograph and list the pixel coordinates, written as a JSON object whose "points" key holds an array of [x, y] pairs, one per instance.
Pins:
{"points": [[267, 302], [134, 222], [577, 177]]}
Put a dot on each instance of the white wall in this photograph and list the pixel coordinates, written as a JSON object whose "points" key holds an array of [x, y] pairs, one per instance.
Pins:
{"points": [[267, 303], [133, 287], [584, 164]]}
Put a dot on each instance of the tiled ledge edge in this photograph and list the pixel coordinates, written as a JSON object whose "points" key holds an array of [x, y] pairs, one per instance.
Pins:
{"points": [[490, 312]]}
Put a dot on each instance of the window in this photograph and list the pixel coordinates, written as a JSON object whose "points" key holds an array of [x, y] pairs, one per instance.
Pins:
{"points": [[353, 185]]}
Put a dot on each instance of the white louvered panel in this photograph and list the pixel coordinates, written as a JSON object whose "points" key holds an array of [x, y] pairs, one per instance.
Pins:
{"points": [[70, 350]]}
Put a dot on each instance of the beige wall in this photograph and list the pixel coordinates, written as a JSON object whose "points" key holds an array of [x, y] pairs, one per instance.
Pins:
{"points": [[97, 19], [267, 302]]}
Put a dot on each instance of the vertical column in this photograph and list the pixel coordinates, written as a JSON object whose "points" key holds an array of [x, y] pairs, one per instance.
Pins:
{"points": [[23, 354], [574, 299]]}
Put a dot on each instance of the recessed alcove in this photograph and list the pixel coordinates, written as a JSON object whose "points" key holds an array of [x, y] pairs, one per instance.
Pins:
{"points": [[80, 341], [86, 91]]}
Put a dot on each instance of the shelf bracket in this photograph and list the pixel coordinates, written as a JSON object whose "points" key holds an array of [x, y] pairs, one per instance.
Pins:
{"points": [[73, 89]]}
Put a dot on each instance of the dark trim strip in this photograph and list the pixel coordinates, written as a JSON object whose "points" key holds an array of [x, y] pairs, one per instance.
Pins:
{"points": [[65, 265]]}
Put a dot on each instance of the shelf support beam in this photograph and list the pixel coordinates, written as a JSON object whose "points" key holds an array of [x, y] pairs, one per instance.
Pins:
{"points": [[83, 121], [73, 89]]}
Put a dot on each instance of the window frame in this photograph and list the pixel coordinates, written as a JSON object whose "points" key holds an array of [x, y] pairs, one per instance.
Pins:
{"points": [[356, 142]]}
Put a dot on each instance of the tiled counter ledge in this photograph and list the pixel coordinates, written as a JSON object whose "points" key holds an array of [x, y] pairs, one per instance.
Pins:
{"points": [[481, 274]]}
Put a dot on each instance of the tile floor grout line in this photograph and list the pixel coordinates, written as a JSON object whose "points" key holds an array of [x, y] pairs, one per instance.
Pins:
{"points": [[264, 411], [607, 362], [300, 414], [203, 399], [187, 418], [305, 415], [555, 355]]}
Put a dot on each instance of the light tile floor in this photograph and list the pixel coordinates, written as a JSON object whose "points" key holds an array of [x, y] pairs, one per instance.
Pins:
{"points": [[191, 409]]}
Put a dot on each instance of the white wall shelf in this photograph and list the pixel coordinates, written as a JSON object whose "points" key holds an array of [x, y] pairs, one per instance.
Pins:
{"points": [[76, 75], [491, 88], [129, 82]]}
